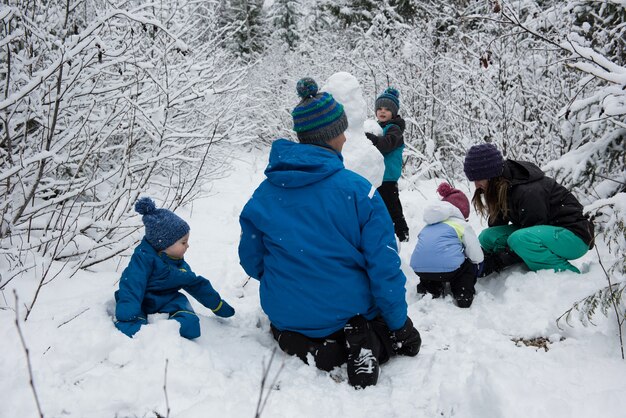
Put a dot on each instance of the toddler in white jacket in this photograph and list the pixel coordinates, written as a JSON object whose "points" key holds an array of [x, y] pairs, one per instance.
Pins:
{"points": [[447, 248]]}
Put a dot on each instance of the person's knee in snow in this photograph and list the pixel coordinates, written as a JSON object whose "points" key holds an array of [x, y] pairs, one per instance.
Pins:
{"points": [[330, 354]]}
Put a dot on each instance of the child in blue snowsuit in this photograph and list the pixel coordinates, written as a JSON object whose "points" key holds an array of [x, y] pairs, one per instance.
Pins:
{"points": [[391, 146], [157, 271], [447, 249]]}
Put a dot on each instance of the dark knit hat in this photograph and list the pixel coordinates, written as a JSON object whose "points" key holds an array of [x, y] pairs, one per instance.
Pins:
{"points": [[389, 99], [483, 162], [454, 196], [163, 227], [318, 118]]}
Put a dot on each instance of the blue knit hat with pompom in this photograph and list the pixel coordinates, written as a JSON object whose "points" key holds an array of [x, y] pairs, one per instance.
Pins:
{"points": [[163, 227], [318, 117], [390, 98]]}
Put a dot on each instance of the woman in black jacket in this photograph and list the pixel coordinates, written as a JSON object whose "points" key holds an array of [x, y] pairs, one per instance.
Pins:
{"points": [[531, 217]]}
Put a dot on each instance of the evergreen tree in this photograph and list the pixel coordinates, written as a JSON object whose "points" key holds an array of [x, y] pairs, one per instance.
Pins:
{"points": [[351, 13], [246, 17], [407, 9], [283, 18], [601, 24]]}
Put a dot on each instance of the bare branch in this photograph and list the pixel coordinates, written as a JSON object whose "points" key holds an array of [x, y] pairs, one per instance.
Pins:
{"points": [[26, 351]]}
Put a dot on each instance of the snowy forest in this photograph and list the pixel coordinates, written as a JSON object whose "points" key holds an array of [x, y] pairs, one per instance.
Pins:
{"points": [[103, 102]]}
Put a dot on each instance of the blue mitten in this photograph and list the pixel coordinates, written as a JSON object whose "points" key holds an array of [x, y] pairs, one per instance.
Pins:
{"points": [[224, 309], [130, 328]]}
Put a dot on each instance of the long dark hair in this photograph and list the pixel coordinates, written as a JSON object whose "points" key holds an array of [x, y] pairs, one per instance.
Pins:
{"points": [[495, 203]]}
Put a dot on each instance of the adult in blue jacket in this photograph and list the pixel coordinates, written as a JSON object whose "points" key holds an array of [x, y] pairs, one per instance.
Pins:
{"points": [[320, 241]]}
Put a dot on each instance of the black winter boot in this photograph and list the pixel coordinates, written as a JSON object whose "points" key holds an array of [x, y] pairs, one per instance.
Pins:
{"points": [[436, 289], [363, 368], [464, 302]]}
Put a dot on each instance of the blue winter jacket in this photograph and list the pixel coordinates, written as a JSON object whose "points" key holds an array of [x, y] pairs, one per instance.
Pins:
{"points": [[153, 279], [321, 242]]}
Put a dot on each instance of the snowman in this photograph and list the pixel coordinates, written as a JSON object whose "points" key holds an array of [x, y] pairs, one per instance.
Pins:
{"points": [[359, 155]]}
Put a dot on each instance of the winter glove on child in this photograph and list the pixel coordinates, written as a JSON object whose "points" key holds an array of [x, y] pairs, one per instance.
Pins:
{"points": [[223, 309], [130, 328], [406, 341], [371, 137]]}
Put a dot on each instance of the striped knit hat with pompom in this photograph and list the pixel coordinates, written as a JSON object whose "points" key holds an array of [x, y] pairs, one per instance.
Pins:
{"points": [[455, 197], [390, 98], [163, 227], [318, 118]]}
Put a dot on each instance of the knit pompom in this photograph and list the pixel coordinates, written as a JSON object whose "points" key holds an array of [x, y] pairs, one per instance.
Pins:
{"points": [[392, 91], [444, 189], [455, 197], [306, 87], [145, 206]]}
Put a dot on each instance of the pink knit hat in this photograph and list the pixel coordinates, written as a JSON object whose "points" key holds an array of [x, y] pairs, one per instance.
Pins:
{"points": [[454, 196]]}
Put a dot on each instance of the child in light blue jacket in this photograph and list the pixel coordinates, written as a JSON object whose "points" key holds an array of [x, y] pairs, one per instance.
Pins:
{"points": [[157, 271], [447, 249]]}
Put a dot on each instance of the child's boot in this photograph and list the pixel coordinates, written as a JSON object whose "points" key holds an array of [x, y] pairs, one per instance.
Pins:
{"points": [[464, 301], [436, 289], [363, 368]]}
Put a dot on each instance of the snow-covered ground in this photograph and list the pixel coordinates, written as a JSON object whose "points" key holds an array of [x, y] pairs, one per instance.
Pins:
{"points": [[468, 366]]}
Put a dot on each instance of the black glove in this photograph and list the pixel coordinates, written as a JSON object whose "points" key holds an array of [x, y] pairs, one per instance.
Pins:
{"points": [[371, 137], [406, 341]]}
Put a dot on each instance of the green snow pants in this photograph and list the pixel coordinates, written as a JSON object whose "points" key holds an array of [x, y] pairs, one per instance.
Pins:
{"points": [[541, 246]]}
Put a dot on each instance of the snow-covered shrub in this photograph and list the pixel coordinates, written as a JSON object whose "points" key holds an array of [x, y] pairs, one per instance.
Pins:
{"points": [[594, 125], [100, 105]]}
